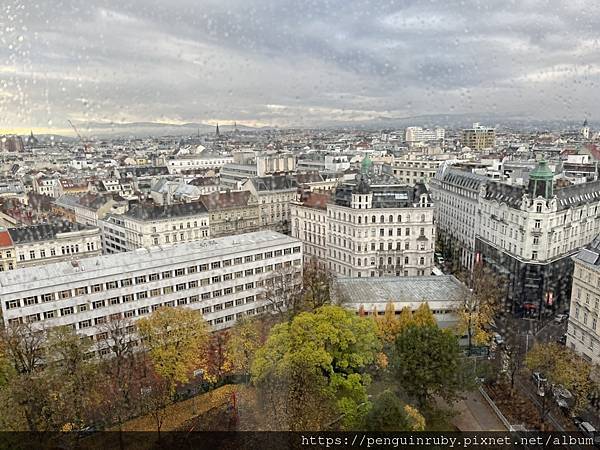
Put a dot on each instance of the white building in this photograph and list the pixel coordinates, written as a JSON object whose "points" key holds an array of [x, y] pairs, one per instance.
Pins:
{"points": [[372, 227], [194, 162], [583, 333], [525, 233], [418, 134], [48, 243], [250, 164], [223, 278], [151, 225]]}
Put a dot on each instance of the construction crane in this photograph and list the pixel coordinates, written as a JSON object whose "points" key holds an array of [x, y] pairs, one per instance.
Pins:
{"points": [[86, 145]]}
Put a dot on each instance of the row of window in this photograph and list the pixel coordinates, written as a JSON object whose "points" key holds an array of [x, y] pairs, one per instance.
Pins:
{"points": [[137, 312], [35, 299], [65, 250]]}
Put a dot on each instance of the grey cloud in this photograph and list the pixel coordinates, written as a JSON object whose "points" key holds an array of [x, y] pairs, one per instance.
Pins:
{"points": [[321, 60]]}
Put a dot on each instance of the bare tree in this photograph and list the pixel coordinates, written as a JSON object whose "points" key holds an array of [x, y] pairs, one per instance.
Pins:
{"points": [[121, 369], [317, 283], [283, 291], [24, 346]]}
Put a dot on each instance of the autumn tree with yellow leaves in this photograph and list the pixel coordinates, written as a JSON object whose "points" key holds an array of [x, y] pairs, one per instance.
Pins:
{"points": [[562, 366], [477, 310], [175, 339]]}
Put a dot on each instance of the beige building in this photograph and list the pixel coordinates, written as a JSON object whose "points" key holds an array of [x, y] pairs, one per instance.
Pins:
{"points": [[372, 227], [231, 212], [48, 243], [8, 259], [274, 194], [583, 334], [479, 137]]}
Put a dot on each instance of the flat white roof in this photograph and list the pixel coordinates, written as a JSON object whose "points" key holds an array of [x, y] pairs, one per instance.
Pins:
{"points": [[145, 258]]}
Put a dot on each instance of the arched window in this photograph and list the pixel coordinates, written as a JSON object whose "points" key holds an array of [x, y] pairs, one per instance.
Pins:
{"points": [[399, 217], [391, 219], [359, 219], [381, 219]]}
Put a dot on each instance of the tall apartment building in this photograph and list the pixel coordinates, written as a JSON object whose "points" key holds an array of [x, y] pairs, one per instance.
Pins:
{"points": [[274, 194], [418, 134], [583, 334], [372, 227], [413, 171], [48, 243], [525, 233], [147, 226], [250, 164], [479, 137], [456, 199], [231, 212], [223, 278]]}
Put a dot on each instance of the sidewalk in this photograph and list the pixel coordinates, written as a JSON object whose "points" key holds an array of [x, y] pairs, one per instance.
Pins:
{"points": [[476, 415]]}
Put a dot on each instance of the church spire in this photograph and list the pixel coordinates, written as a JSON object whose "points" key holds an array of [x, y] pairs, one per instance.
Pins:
{"points": [[217, 133]]}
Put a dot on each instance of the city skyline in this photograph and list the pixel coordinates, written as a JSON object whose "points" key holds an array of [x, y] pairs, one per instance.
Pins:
{"points": [[258, 65]]}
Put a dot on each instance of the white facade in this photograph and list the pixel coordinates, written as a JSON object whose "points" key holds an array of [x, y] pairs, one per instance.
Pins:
{"points": [[130, 231], [457, 211], [367, 242], [61, 246], [223, 278], [418, 134], [583, 333], [195, 162]]}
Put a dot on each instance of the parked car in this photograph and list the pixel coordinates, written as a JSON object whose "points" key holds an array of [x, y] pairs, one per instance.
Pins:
{"points": [[499, 340], [560, 318], [587, 429], [539, 378]]}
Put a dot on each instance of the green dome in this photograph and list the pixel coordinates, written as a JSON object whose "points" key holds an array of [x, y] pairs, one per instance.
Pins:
{"points": [[542, 172], [366, 164]]}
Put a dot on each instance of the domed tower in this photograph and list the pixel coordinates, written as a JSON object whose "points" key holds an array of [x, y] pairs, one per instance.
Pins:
{"points": [[541, 181]]}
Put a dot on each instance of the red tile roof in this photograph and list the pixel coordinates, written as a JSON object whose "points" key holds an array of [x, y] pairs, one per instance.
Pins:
{"points": [[5, 239]]}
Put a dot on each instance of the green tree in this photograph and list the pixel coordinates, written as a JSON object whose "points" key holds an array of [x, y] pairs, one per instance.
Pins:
{"points": [[389, 413], [427, 363], [174, 338], [313, 370]]}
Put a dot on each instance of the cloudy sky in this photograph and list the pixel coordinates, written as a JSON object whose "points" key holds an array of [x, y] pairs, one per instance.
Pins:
{"points": [[294, 62]]}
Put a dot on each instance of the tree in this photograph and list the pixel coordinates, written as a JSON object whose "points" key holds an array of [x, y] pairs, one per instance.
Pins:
{"points": [[27, 404], [244, 341], [423, 316], [562, 366], [388, 326], [216, 356], [427, 363], [121, 384], [389, 413], [478, 308], [313, 370], [23, 347], [72, 375], [156, 394], [175, 338], [283, 292], [317, 281]]}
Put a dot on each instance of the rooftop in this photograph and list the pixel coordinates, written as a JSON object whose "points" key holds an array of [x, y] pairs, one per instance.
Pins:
{"points": [[44, 231], [146, 259], [155, 212], [224, 200], [444, 289]]}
